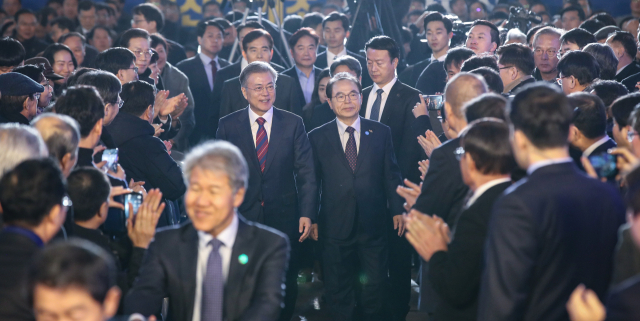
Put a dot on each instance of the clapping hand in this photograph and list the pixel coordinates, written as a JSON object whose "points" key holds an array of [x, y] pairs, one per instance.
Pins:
{"points": [[429, 142], [141, 227], [410, 193], [426, 234]]}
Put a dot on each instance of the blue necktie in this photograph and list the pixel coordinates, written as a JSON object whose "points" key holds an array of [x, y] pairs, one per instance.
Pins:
{"points": [[351, 150], [213, 286], [375, 109]]}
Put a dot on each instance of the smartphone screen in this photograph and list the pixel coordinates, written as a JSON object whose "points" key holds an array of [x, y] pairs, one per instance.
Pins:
{"points": [[135, 199], [434, 102], [111, 157], [604, 165]]}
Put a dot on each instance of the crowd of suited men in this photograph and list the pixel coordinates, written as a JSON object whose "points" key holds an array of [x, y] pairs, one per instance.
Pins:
{"points": [[502, 166]]}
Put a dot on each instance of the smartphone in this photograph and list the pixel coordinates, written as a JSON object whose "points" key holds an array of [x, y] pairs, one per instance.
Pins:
{"points": [[111, 157], [604, 165], [434, 102], [135, 199]]}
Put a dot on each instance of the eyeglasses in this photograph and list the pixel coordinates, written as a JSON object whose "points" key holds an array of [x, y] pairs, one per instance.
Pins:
{"points": [[550, 52], [562, 53], [559, 80], [342, 97], [135, 69], [66, 202], [120, 102], [259, 89], [459, 152], [506, 67], [36, 96], [141, 53], [630, 135]]}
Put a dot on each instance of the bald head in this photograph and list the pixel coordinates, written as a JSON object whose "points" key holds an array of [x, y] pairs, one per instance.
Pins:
{"points": [[462, 88], [61, 134]]}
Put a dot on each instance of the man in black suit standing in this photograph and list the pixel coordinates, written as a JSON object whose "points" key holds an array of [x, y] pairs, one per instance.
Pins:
{"points": [[357, 173], [303, 44], [258, 46], [202, 72], [455, 257], [391, 102], [282, 185], [588, 126], [219, 266], [541, 242]]}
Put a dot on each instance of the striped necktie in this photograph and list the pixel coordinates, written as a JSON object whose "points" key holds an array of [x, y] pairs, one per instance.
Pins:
{"points": [[262, 143]]}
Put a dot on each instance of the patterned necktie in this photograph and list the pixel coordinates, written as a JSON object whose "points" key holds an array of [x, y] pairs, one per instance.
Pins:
{"points": [[262, 143], [213, 286], [214, 71], [351, 150], [375, 109]]}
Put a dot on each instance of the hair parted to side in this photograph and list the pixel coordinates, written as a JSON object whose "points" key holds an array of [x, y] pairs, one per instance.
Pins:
{"points": [[218, 156]]}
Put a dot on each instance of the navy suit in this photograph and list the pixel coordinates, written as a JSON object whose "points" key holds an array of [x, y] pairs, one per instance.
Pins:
{"points": [[286, 190], [356, 210], [550, 232]]}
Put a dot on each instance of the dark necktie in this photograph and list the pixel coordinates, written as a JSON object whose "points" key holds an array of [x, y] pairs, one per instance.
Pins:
{"points": [[214, 71], [375, 109], [262, 143], [351, 151], [213, 286]]}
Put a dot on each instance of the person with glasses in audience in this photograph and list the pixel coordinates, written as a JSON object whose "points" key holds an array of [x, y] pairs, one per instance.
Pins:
{"points": [[577, 70], [19, 97], [119, 61], [516, 63], [148, 17], [546, 45], [36, 73]]}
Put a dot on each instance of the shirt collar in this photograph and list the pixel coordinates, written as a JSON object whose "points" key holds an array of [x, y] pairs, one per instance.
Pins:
{"points": [[243, 63], [342, 127], [268, 116], [302, 74], [386, 87], [587, 152], [621, 69], [227, 236], [441, 59], [533, 167], [206, 60], [25, 232], [485, 187], [332, 56]]}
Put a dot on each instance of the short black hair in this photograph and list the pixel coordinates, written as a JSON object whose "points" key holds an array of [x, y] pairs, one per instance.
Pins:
{"points": [[605, 18], [303, 32], [573, 8], [249, 24], [68, 35], [63, 23], [487, 143], [351, 63], [132, 34], [543, 113], [86, 5], [532, 32], [254, 35], [115, 59], [608, 90], [88, 189], [627, 41], [622, 107], [106, 83], [73, 78], [137, 96], [335, 16], [338, 77], [82, 103], [582, 65], [24, 11], [606, 59], [12, 52], [384, 43], [150, 13], [495, 33], [202, 26], [312, 19], [76, 263], [578, 36], [92, 32], [406, 35], [436, 7], [35, 72], [486, 105], [605, 32], [457, 56], [30, 190], [491, 77], [210, 3], [43, 15], [54, 48], [589, 114], [518, 55], [475, 62], [224, 23], [158, 39], [591, 25], [292, 23]]}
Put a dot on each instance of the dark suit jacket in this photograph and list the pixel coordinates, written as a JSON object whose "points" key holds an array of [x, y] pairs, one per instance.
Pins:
{"points": [[629, 70], [631, 81], [293, 73], [175, 52], [398, 115], [455, 273], [321, 62], [371, 190], [203, 107], [550, 232], [410, 74], [287, 98], [515, 89], [253, 291], [320, 115], [622, 304], [433, 79], [287, 189]]}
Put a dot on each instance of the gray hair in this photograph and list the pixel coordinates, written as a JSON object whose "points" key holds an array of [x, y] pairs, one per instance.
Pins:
{"points": [[218, 156], [517, 36], [60, 133], [19, 143], [546, 31], [254, 68]]}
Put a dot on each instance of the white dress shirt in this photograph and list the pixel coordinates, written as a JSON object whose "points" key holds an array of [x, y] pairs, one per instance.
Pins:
{"points": [[485, 187], [243, 63], [441, 59], [206, 61], [228, 238], [374, 94], [587, 152], [533, 167], [331, 57], [344, 135], [268, 117]]}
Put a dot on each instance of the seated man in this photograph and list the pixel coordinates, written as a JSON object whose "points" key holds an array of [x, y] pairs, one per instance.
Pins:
{"points": [[217, 247], [577, 70], [19, 96], [34, 206], [516, 65]]}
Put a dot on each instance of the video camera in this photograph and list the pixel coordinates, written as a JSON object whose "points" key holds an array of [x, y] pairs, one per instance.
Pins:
{"points": [[521, 18]]}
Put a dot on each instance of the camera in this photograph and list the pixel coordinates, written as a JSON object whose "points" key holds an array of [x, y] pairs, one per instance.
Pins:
{"points": [[522, 19]]}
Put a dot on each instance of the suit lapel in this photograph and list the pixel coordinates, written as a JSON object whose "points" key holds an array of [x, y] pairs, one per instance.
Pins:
{"points": [[275, 138], [393, 96], [321, 60], [334, 140], [237, 270], [365, 142], [201, 73], [365, 100], [188, 267], [244, 131]]}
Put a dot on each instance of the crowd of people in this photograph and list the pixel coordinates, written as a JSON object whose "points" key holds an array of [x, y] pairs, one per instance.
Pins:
{"points": [[153, 171]]}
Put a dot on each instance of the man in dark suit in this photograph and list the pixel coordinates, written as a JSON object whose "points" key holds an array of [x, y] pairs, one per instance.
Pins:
{"points": [[515, 65], [148, 17], [202, 71], [455, 259], [282, 185], [391, 102], [624, 46], [303, 45], [219, 266], [540, 243], [259, 47], [28, 225], [357, 172]]}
